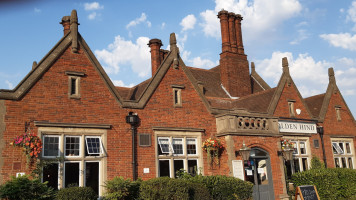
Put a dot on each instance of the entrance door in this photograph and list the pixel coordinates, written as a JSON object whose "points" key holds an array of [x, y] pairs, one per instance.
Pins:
{"points": [[258, 171]]}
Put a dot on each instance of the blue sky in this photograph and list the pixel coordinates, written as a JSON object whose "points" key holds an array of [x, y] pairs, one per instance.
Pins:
{"points": [[314, 35]]}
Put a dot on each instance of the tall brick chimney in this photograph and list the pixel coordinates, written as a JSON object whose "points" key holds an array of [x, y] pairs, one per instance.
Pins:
{"points": [[66, 24], [234, 69], [156, 57]]}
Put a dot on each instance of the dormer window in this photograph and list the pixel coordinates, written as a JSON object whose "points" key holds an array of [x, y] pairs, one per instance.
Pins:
{"points": [[177, 95], [74, 84], [291, 108], [338, 114]]}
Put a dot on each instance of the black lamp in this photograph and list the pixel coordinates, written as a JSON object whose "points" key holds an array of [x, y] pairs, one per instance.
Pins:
{"points": [[133, 120]]}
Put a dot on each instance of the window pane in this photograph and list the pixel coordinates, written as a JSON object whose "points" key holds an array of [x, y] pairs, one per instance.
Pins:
{"points": [[50, 175], [164, 168], [191, 146], [348, 148], [71, 174], [50, 146], [93, 145], [296, 165], [343, 161], [164, 144], [337, 148], [178, 165], [337, 163], [302, 148], [351, 166], [178, 145], [72, 146], [92, 175], [341, 147], [305, 164], [192, 167], [295, 146]]}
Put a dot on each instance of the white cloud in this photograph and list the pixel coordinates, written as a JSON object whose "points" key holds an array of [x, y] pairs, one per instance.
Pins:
{"points": [[309, 75], [37, 10], [92, 16], [351, 12], [260, 15], [343, 40], [188, 22], [163, 25], [93, 6], [120, 83], [137, 21], [9, 85], [211, 25], [126, 53]]}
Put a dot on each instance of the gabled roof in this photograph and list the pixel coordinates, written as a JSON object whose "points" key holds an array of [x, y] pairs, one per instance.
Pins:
{"points": [[285, 79], [332, 88]]}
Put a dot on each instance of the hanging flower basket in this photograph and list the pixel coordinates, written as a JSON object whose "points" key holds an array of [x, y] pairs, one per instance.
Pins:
{"points": [[287, 145], [31, 144], [213, 148]]}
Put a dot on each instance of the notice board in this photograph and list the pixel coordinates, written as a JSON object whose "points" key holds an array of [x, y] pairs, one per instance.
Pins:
{"points": [[306, 192]]}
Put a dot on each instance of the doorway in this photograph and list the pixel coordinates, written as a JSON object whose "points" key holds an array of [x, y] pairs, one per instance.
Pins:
{"points": [[258, 171]]}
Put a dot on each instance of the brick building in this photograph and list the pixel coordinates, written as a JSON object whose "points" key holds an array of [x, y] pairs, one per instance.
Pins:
{"points": [[68, 100]]}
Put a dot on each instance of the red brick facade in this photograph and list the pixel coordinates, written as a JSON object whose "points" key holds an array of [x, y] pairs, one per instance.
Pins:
{"points": [[44, 101]]}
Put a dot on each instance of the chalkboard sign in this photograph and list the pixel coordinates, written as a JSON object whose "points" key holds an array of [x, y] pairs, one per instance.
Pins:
{"points": [[306, 192]]}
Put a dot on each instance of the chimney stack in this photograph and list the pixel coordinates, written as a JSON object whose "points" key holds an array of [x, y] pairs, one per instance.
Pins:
{"points": [[66, 24], [155, 45], [234, 68]]}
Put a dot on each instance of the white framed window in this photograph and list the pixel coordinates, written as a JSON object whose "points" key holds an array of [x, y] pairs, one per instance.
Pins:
{"points": [[343, 153], [72, 146], [301, 156], [93, 145], [50, 146], [82, 155], [178, 152]]}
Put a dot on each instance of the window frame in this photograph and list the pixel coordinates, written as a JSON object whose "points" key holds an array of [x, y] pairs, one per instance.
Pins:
{"points": [[82, 159], [342, 153], [100, 143], [185, 156], [299, 157], [59, 145], [65, 148]]}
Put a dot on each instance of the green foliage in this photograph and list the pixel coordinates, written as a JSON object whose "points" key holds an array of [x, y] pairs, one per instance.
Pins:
{"points": [[164, 188], [22, 188], [76, 193], [316, 163], [122, 189], [330, 183], [224, 187]]}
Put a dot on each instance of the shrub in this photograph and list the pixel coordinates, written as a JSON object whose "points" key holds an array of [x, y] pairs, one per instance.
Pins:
{"points": [[76, 193], [224, 187], [316, 163], [122, 189], [23, 188], [164, 188], [330, 183]]}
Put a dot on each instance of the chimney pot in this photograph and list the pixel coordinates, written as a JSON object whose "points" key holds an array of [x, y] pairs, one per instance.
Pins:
{"points": [[155, 45], [223, 15], [66, 24]]}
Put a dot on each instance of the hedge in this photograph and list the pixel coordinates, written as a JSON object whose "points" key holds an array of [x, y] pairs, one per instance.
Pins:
{"points": [[184, 187], [22, 188], [76, 193], [331, 183]]}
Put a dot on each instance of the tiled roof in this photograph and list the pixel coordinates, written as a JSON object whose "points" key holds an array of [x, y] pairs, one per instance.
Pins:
{"points": [[314, 103], [257, 102], [210, 80]]}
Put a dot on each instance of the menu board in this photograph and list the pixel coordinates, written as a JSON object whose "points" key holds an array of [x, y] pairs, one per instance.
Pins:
{"points": [[238, 169], [306, 192]]}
